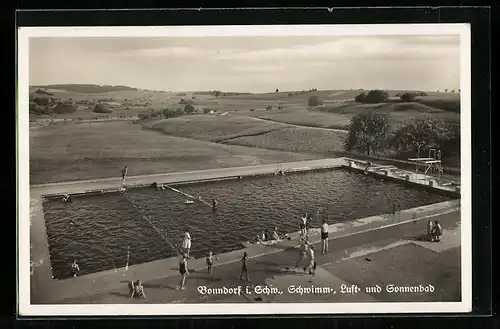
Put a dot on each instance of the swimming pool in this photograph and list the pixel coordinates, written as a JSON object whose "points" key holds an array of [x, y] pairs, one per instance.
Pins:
{"points": [[99, 230]]}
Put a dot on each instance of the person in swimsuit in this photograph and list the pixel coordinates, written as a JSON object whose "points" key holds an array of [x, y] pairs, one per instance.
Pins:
{"points": [[436, 232], [75, 268], [183, 270], [210, 262], [186, 244], [137, 290], [303, 253], [312, 261], [244, 269], [276, 235], [124, 173], [302, 225], [324, 236], [267, 236]]}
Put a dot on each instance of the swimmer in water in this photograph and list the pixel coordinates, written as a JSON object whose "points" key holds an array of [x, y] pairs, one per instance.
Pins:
{"points": [[215, 204]]}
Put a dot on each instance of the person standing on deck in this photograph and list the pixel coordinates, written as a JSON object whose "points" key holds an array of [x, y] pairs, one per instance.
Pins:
{"points": [[183, 270], [244, 268], [436, 232], [210, 262], [186, 243], [324, 236], [303, 226], [124, 173], [312, 260], [302, 254], [74, 268]]}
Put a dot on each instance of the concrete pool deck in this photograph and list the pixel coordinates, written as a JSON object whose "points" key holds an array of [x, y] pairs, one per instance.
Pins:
{"points": [[397, 255], [44, 289]]}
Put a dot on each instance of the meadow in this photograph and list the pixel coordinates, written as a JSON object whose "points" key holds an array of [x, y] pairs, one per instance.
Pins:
{"points": [[255, 128], [73, 151]]}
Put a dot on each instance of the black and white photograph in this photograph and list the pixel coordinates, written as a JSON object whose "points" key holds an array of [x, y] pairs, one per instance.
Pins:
{"points": [[216, 170]]}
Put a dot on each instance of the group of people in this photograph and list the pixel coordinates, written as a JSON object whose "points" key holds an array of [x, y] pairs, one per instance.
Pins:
{"points": [[265, 236]]}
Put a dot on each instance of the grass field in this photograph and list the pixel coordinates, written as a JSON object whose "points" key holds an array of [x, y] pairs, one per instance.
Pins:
{"points": [[73, 152], [250, 133]]}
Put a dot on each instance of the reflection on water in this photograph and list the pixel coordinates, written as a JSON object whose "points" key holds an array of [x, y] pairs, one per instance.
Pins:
{"points": [[105, 225]]}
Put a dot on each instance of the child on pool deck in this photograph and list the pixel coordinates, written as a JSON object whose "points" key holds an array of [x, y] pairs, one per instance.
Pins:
{"points": [[210, 262]]}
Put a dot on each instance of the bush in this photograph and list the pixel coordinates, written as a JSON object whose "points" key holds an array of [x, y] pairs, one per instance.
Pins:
{"points": [[206, 110], [407, 97], [252, 110], [425, 134], [269, 107], [43, 101], [314, 101], [360, 98], [170, 113], [62, 108], [376, 96], [189, 109], [367, 132], [102, 108]]}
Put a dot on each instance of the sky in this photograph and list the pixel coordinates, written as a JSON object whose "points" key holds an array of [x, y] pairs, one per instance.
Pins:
{"points": [[250, 64]]}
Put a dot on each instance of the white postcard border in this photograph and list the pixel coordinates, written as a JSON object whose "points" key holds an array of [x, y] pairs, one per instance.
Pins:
{"points": [[25, 307]]}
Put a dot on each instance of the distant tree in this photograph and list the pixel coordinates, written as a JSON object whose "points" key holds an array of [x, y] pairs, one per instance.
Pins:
{"points": [[41, 100], [376, 96], [290, 94], [407, 97], [102, 108], [182, 101], [189, 109], [367, 132], [446, 90], [63, 108], [360, 98], [277, 90], [217, 93], [421, 135], [314, 101]]}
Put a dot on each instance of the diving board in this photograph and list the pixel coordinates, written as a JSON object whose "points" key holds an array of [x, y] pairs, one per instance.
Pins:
{"points": [[431, 165]]}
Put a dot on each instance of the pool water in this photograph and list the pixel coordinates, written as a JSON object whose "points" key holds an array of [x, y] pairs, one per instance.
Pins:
{"points": [[100, 230]]}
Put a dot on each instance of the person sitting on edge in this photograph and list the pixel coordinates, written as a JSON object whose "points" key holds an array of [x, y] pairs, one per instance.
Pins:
{"points": [[267, 235], [277, 236], [74, 268], [437, 232], [430, 226], [368, 165], [137, 290]]}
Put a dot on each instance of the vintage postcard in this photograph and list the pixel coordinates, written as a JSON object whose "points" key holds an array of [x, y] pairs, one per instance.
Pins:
{"points": [[244, 170]]}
